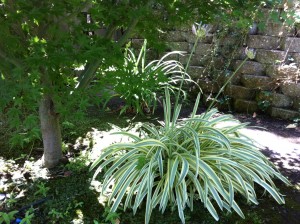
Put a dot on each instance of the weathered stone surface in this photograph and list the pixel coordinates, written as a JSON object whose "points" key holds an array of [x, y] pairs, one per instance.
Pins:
{"points": [[230, 53], [178, 46], [197, 72], [137, 43], [174, 36], [240, 92], [263, 99], [236, 79], [221, 104], [211, 28], [169, 57], [196, 60], [185, 57], [292, 44], [289, 4], [294, 57], [203, 49], [283, 72], [296, 103], [217, 62], [263, 42], [253, 30], [250, 67], [151, 55], [258, 82], [183, 28], [208, 86], [276, 29], [240, 54], [229, 40], [245, 106], [191, 38], [291, 89], [284, 113], [297, 27], [270, 56], [222, 76], [280, 100]]}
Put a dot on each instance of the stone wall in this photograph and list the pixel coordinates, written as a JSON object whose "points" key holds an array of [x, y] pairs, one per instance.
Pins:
{"points": [[269, 83]]}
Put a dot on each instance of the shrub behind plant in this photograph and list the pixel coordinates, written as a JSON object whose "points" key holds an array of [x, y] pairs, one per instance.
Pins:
{"points": [[141, 84]]}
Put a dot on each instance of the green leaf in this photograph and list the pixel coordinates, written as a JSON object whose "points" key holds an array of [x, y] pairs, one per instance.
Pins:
{"points": [[122, 185], [170, 169], [184, 170]]}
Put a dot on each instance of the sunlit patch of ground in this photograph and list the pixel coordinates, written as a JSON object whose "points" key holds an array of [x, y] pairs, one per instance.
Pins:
{"points": [[97, 140], [282, 151]]}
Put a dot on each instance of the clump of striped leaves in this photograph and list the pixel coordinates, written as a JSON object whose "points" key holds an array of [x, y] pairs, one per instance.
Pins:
{"points": [[183, 161]]}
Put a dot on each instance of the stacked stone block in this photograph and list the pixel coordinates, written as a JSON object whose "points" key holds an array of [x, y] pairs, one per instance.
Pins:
{"points": [[275, 70]]}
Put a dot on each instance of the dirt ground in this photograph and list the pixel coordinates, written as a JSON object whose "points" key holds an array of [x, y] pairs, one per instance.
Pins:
{"points": [[279, 141]]}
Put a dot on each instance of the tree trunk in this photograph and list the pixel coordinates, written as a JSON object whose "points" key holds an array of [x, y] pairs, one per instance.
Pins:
{"points": [[51, 133]]}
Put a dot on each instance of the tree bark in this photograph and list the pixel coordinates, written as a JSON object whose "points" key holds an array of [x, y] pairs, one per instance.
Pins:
{"points": [[51, 132]]}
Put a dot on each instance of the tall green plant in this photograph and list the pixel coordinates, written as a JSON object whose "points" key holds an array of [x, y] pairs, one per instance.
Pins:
{"points": [[140, 84], [183, 161]]}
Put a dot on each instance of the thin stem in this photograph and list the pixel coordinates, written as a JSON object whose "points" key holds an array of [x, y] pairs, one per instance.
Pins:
{"points": [[128, 32], [226, 83], [90, 69], [185, 70]]}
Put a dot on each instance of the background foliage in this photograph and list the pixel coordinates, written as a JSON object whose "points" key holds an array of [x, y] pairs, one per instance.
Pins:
{"points": [[42, 45]]}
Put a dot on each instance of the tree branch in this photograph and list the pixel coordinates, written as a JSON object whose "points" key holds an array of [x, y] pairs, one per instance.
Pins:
{"points": [[91, 68], [110, 31], [128, 32]]}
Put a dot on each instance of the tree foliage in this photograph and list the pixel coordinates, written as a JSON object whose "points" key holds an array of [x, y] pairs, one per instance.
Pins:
{"points": [[43, 45]]}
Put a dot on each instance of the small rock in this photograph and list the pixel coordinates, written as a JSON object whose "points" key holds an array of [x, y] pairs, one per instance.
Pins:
{"points": [[292, 126], [2, 197]]}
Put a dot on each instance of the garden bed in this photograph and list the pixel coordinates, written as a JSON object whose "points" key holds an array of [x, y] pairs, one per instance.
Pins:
{"points": [[69, 198]]}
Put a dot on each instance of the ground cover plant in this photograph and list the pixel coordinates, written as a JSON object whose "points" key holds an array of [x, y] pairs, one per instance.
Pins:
{"points": [[71, 196], [182, 161]]}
